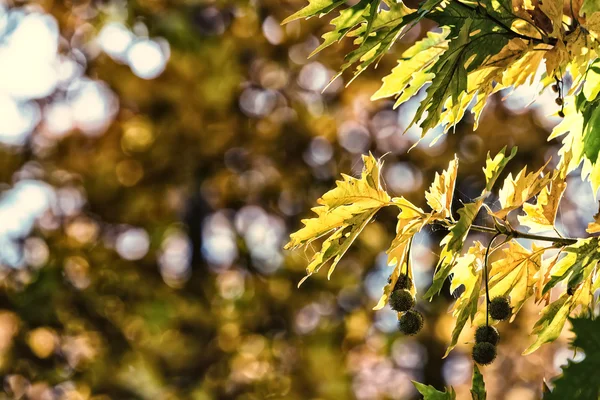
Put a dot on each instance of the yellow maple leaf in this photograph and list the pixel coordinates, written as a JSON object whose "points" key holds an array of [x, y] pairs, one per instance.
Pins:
{"points": [[516, 191], [516, 274], [440, 194], [467, 273], [540, 216], [343, 213]]}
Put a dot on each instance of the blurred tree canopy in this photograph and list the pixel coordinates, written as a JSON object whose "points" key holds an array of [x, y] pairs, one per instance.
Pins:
{"points": [[155, 157]]}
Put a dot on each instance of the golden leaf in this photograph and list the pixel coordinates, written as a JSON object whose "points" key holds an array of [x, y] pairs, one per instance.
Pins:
{"points": [[515, 275], [343, 213], [440, 194]]}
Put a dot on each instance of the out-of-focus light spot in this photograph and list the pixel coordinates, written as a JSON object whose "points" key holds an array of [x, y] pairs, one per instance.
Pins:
{"points": [[520, 393], [146, 59], [231, 285], [386, 320], [114, 39], [93, 105], [9, 326], [36, 252], [58, 119], [129, 172], [137, 135], [402, 177], [70, 200], [77, 272], [457, 369], [264, 235], [314, 77], [218, 241], [18, 120], [133, 244], [22, 205], [174, 259], [307, 319], [319, 152], [28, 57], [42, 342], [354, 137], [83, 229], [409, 354], [257, 103], [272, 30]]}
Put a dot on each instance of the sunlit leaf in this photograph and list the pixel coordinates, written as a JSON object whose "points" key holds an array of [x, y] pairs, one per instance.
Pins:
{"points": [[343, 213], [431, 393]]}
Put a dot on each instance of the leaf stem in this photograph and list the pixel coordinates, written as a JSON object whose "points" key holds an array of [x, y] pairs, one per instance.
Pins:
{"points": [[513, 233], [486, 277]]}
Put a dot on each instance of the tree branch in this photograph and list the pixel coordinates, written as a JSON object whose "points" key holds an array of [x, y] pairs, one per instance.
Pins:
{"points": [[518, 234]]}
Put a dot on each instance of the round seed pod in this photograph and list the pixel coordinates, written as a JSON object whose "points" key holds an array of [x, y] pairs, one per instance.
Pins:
{"points": [[411, 322], [555, 88], [403, 282], [401, 300], [559, 101], [487, 334], [484, 353], [500, 308], [561, 114]]}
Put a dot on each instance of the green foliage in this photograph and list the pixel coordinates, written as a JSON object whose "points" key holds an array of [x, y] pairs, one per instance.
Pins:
{"points": [[575, 382], [478, 385], [431, 393]]}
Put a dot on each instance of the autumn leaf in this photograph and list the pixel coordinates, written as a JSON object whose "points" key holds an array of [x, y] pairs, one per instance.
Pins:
{"points": [[515, 274], [440, 194], [516, 191], [466, 273], [453, 242], [315, 8], [343, 213], [540, 216]]}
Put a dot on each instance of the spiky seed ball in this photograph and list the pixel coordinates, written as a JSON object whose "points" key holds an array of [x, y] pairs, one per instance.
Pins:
{"points": [[555, 88], [403, 282], [411, 322], [500, 308], [401, 300], [484, 353], [559, 101], [561, 114], [487, 334]]}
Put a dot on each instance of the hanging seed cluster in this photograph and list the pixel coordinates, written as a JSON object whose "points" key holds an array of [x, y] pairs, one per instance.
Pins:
{"points": [[402, 301]]}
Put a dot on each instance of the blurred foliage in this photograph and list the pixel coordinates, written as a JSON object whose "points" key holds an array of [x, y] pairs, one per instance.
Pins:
{"points": [[156, 269]]}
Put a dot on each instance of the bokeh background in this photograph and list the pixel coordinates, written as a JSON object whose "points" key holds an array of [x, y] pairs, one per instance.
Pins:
{"points": [[154, 157]]}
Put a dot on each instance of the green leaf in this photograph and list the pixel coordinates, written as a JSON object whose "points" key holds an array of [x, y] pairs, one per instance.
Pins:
{"points": [[550, 325], [385, 29], [478, 385], [344, 23], [589, 7], [576, 381], [315, 7], [431, 393], [413, 69], [578, 264]]}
